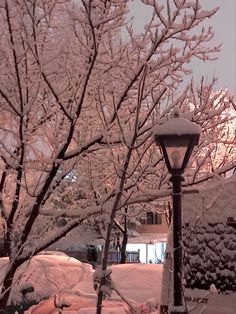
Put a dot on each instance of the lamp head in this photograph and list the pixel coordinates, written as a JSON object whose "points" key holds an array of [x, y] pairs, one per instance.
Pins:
{"points": [[177, 138]]}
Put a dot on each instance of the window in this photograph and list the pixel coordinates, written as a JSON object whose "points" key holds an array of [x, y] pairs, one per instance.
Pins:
{"points": [[153, 218]]}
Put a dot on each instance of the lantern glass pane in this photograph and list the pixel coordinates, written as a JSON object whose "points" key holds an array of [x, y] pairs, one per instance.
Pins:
{"points": [[176, 156], [176, 148]]}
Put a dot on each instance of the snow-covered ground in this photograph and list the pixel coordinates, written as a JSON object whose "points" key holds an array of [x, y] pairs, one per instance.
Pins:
{"points": [[67, 280], [48, 275]]}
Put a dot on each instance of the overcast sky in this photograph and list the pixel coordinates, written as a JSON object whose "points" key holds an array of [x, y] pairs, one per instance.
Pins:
{"points": [[224, 26]]}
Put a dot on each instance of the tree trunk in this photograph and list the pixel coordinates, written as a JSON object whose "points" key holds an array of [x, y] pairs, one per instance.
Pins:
{"points": [[123, 248], [99, 302], [104, 264], [7, 241], [125, 239], [7, 284]]}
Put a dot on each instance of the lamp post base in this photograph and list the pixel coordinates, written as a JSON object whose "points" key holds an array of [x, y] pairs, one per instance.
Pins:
{"points": [[165, 309], [180, 309]]}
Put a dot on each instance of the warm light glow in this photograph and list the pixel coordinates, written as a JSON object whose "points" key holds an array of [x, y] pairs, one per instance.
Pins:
{"points": [[176, 156]]}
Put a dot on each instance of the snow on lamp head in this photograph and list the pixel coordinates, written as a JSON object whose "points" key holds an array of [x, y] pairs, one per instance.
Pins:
{"points": [[177, 138]]}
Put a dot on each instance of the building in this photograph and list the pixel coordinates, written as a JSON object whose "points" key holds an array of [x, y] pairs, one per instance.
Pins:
{"points": [[150, 238]]}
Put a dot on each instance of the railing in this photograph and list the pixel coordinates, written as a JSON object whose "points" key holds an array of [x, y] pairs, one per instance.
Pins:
{"points": [[113, 256]]}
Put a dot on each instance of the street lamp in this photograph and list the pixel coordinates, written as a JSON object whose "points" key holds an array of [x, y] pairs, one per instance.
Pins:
{"points": [[177, 138]]}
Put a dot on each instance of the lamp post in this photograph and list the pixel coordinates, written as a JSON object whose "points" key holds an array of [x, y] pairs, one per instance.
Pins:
{"points": [[177, 138]]}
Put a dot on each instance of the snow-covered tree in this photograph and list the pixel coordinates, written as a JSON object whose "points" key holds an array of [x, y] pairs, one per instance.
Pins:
{"points": [[79, 98]]}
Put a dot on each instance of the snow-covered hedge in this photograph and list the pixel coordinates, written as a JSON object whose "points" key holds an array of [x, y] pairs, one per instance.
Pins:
{"points": [[210, 256]]}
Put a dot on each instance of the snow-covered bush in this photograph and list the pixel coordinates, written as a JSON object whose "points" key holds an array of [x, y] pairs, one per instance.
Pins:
{"points": [[210, 256]]}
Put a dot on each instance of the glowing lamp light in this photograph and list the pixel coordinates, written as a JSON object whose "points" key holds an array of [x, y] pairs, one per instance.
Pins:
{"points": [[175, 159], [177, 138]]}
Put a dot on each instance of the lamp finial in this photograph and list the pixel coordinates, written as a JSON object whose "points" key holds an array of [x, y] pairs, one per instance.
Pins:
{"points": [[176, 113]]}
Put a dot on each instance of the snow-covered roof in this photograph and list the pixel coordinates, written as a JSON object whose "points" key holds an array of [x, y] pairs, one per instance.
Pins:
{"points": [[147, 238], [216, 201]]}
